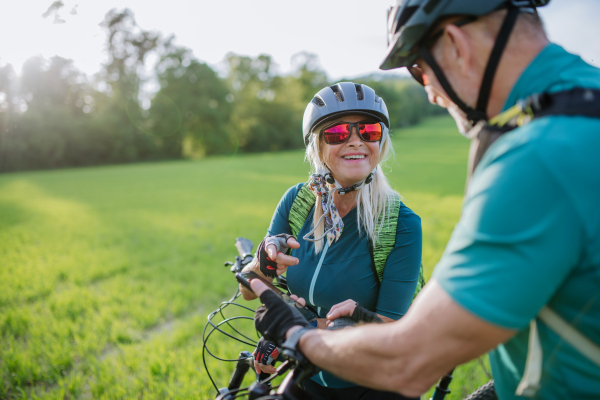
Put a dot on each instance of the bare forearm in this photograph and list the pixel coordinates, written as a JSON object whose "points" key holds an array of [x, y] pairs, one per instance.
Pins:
{"points": [[364, 355], [409, 355]]}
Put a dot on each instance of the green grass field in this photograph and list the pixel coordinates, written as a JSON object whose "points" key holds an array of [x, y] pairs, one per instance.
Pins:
{"points": [[107, 274]]}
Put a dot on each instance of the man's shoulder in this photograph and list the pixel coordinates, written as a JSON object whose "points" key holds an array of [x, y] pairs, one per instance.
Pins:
{"points": [[543, 136], [554, 139], [554, 157]]}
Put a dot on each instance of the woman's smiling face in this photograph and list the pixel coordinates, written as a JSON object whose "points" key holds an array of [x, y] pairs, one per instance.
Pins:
{"points": [[352, 161]]}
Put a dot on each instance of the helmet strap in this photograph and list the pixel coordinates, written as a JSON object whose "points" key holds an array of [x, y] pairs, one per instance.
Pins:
{"points": [[342, 191], [472, 114], [480, 112], [490, 70]]}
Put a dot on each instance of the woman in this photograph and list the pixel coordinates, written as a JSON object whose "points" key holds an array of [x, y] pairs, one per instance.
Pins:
{"points": [[345, 129]]}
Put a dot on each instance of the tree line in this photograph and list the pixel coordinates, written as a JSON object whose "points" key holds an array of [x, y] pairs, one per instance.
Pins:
{"points": [[154, 100]]}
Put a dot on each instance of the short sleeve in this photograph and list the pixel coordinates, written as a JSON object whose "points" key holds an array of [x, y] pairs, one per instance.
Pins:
{"points": [[280, 220], [517, 240], [402, 267]]}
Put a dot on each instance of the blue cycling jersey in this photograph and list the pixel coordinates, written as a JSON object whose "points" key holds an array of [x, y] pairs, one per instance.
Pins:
{"points": [[346, 271]]}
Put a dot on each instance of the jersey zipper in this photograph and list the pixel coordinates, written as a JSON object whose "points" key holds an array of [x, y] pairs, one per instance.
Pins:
{"points": [[311, 291]]}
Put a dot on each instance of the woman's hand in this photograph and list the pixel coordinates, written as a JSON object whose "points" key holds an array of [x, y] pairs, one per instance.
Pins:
{"points": [[343, 309], [346, 309], [283, 260], [321, 322], [279, 262]]}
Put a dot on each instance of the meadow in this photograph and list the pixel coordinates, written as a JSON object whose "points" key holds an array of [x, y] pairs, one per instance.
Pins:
{"points": [[107, 273]]}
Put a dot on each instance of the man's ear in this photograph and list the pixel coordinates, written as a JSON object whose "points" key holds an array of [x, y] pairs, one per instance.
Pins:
{"points": [[457, 49]]}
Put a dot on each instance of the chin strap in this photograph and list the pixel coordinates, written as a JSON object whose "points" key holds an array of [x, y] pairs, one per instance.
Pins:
{"points": [[480, 112], [359, 185]]}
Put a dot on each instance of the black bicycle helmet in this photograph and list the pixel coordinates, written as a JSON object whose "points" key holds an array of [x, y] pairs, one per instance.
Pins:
{"points": [[345, 98], [410, 23]]}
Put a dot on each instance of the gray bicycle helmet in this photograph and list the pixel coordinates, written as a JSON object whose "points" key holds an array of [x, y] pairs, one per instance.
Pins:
{"points": [[410, 24], [345, 98]]}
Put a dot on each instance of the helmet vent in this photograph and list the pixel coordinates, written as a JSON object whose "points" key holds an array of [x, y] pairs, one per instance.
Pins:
{"points": [[359, 92], [338, 95], [409, 11], [429, 7], [318, 101], [377, 99]]}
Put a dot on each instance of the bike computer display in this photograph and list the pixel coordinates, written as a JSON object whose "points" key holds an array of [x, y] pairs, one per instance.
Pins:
{"points": [[306, 312]]}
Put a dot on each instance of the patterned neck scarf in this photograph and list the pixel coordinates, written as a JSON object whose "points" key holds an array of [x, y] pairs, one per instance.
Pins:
{"points": [[333, 222]]}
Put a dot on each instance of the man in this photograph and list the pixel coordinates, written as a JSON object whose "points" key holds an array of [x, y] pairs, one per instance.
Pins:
{"points": [[528, 240]]}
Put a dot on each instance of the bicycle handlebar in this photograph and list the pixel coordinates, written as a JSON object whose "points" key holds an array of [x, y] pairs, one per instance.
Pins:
{"points": [[244, 247]]}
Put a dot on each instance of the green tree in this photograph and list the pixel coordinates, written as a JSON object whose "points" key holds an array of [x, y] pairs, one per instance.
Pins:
{"points": [[308, 75], [7, 94], [128, 47], [190, 113], [266, 114], [55, 82], [47, 121], [54, 116]]}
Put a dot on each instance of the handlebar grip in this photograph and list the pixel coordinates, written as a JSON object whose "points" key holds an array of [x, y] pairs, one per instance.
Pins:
{"points": [[341, 323], [241, 368], [244, 246], [263, 375]]}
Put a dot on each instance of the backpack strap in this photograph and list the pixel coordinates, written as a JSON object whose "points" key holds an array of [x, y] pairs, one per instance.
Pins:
{"points": [[387, 239], [581, 102], [303, 203], [387, 236], [420, 282], [530, 383]]}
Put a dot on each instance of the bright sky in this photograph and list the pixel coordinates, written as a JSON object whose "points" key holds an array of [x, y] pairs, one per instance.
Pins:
{"points": [[347, 35]]}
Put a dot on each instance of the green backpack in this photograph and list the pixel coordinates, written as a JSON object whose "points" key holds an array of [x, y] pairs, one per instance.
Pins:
{"points": [[304, 202]]}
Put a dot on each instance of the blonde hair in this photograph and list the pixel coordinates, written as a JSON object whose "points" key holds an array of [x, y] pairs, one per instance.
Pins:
{"points": [[371, 200]]}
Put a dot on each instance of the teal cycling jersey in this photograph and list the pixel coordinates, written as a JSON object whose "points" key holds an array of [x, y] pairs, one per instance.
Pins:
{"points": [[529, 235], [347, 271]]}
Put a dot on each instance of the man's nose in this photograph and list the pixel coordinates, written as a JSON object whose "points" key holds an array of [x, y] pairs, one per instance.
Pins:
{"points": [[434, 97], [431, 97]]}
